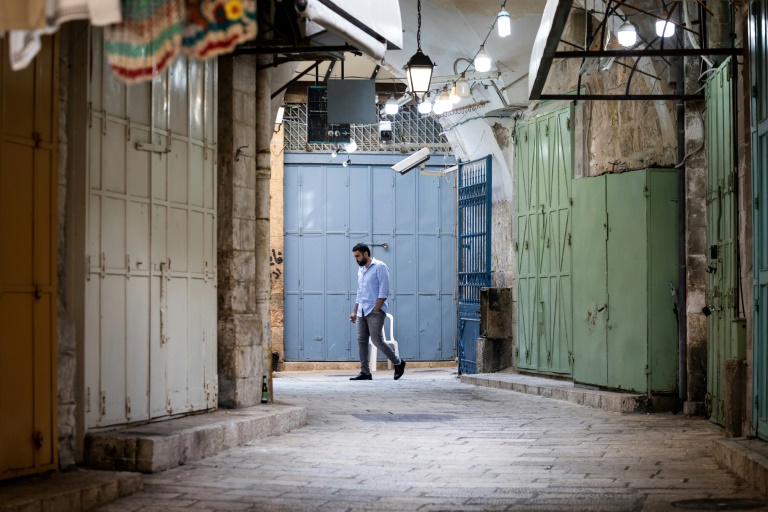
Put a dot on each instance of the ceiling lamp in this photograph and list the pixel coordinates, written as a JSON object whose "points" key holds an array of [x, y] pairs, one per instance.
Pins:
{"points": [[463, 88], [627, 35], [419, 68], [351, 147], [444, 100], [439, 107], [454, 96], [425, 106], [391, 107], [482, 60], [665, 28], [503, 23]]}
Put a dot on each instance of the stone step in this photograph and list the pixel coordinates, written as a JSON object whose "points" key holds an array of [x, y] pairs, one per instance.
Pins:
{"points": [[747, 458], [81, 489], [565, 390], [163, 445]]}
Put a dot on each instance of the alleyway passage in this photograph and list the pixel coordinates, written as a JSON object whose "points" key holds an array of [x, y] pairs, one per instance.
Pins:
{"points": [[428, 442]]}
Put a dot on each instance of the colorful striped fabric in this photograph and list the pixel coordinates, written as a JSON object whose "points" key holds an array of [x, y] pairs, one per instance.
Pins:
{"points": [[153, 32]]}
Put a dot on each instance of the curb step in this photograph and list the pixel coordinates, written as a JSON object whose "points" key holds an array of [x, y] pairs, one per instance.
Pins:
{"points": [[163, 445]]}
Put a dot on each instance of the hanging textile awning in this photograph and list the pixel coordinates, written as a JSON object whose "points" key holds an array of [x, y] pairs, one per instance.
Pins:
{"points": [[142, 37]]}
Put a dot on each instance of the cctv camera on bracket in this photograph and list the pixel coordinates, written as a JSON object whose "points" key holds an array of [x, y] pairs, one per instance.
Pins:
{"points": [[411, 161]]}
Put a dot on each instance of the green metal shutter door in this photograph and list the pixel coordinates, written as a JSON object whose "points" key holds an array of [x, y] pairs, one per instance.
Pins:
{"points": [[545, 167], [758, 42], [721, 233]]}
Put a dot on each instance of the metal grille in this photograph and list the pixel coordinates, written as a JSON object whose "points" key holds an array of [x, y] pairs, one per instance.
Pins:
{"points": [[474, 254], [410, 129]]}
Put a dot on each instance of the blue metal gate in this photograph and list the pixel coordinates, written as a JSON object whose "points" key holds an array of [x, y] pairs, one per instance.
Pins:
{"points": [[474, 254], [409, 223]]}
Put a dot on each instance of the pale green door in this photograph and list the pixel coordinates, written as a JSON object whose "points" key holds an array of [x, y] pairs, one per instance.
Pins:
{"points": [[758, 44], [545, 172], [590, 285], [722, 288]]}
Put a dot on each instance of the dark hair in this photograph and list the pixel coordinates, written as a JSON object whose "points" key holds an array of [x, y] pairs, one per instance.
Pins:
{"points": [[362, 249]]}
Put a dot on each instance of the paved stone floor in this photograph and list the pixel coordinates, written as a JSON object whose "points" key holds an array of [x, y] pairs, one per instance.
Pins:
{"points": [[428, 442]]}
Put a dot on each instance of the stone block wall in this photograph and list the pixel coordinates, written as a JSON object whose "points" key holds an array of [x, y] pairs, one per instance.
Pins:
{"points": [[240, 327], [277, 279], [66, 357]]}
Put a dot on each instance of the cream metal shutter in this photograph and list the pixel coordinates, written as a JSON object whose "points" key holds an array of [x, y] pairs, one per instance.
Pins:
{"points": [[150, 305]]}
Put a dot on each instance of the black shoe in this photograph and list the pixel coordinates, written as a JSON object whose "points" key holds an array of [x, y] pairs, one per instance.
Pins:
{"points": [[362, 376], [399, 369]]}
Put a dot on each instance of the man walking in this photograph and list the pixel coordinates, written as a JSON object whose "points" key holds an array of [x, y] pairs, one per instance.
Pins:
{"points": [[371, 310]]}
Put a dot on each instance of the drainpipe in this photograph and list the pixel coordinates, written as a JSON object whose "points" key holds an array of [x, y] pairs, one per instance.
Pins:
{"points": [[682, 302], [264, 123]]}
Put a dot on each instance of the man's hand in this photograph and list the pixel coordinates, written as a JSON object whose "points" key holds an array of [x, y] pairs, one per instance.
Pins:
{"points": [[353, 317]]}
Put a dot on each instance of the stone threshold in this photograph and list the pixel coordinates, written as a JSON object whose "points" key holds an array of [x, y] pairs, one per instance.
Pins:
{"points": [[167, 444], [565, 390], [747, 458], [76, 490], [354, 366]]}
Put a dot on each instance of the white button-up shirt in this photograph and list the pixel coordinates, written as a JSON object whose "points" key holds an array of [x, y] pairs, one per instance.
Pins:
{"points": [[372, 284]]}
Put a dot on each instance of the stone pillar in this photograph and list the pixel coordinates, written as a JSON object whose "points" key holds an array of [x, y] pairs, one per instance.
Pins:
{"points": [[495, 346], [696, 257], [276, 258], [239, 326], [264, 131]]}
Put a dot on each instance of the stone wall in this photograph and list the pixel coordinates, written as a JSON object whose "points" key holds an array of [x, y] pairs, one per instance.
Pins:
{"points": [[66, 357], [277, 279]]}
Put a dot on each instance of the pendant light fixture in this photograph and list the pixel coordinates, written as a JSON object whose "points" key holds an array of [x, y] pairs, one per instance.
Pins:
{"points": [[391, 107], [425, 106], [627, 35], [482, 60], [419, 67], [665, 28], [503, 22], [463, 89]]}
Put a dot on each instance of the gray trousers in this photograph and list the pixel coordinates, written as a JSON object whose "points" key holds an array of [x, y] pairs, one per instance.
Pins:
{"points": [[370, 325]]}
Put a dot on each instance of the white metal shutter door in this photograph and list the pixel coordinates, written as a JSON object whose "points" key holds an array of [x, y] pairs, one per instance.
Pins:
{"points": [[151, 299]]}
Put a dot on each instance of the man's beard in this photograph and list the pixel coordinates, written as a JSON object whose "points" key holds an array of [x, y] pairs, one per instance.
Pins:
{"points": [[363, 262]]}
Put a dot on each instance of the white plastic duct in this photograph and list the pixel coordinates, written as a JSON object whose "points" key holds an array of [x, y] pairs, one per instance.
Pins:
{"points": [[357, 22]]}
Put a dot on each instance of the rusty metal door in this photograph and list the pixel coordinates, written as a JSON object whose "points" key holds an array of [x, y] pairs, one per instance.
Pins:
{"points": [[150, 299], [28, 163]]}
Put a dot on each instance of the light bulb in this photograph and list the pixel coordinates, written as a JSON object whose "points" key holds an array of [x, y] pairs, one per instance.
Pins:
{"points": [[664, 28], [438, 108], [454, 97], [482, 60], [627, 34], [504, 23], [462, 88], [391, 107], [425, 107], [334, 153], [351, 147], [445, 100], [347, 162]]}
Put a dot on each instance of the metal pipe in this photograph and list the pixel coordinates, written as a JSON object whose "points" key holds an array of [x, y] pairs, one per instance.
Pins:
{"points": [[621, 97], [668, 52]]}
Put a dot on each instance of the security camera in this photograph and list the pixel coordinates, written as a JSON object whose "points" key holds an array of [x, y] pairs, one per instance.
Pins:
{"points": [[385, 131], [411, 161]]}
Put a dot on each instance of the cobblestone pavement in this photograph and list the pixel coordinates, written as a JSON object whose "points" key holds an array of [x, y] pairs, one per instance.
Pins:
{"points": [[428, 442]]}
